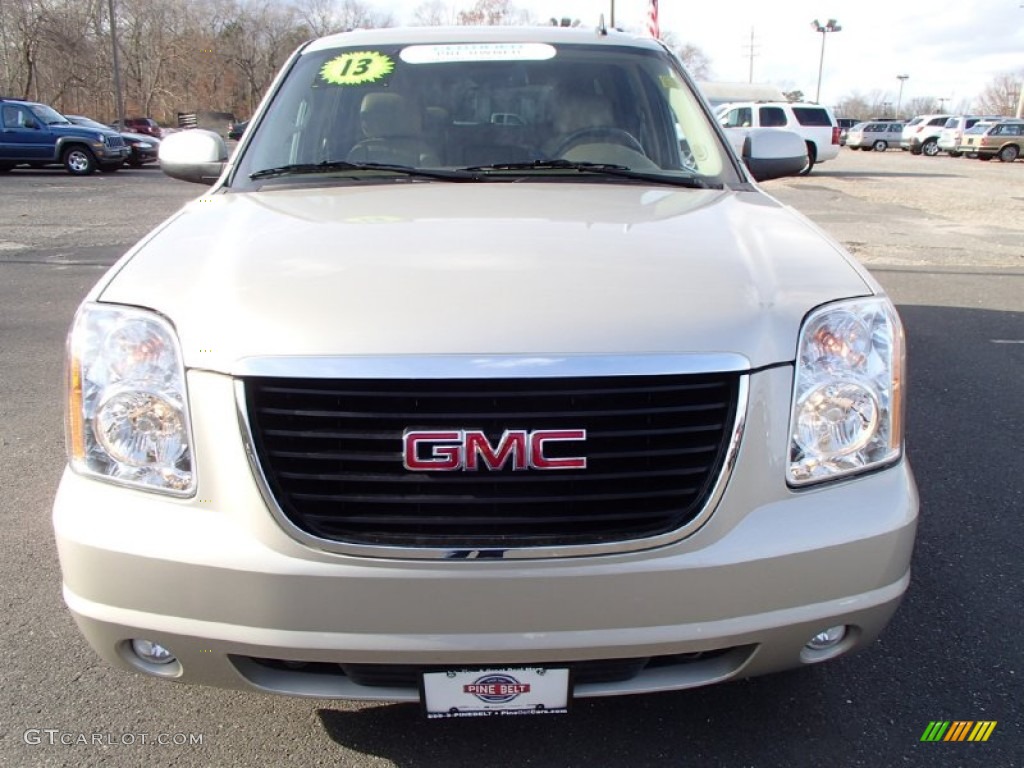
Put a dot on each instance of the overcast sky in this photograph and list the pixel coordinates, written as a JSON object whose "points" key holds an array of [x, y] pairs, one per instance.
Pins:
{"points": [[950, 48]]}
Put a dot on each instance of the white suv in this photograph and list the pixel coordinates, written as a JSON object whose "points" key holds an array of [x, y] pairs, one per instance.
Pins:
{"points": [[921, 134], [466, 384], [815, 124]]}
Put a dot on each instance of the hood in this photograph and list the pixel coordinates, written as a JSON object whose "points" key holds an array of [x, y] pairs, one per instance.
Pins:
{"points": [[498, 268], [81, 131]]}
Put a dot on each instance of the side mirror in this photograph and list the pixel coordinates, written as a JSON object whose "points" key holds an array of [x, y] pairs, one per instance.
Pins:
{"points": [[771, 153], [195, 155], [31, 124]]}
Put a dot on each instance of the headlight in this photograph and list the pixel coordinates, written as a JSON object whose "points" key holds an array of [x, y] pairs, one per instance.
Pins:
{"points": [[127, 411], [847, 413]]}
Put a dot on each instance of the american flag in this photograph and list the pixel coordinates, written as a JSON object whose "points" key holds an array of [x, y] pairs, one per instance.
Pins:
{"points": [[652, 19]]}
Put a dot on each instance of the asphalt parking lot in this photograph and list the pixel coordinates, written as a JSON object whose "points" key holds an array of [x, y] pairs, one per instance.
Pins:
{"points": [[944, 236]]}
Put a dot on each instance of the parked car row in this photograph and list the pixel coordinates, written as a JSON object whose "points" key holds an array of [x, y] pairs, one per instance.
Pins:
{"points": [[981, 136], [37, 135], [142, 148]]}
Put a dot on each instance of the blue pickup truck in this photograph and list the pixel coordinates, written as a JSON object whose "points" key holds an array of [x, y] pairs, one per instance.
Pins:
{"points": [[35, 134]]}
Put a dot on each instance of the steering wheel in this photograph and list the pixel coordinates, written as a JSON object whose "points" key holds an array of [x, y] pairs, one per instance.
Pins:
{"points": [[600, 134]]}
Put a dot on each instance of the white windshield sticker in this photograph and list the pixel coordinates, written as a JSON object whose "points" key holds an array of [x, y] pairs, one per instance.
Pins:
{"points": [[435, 54]]}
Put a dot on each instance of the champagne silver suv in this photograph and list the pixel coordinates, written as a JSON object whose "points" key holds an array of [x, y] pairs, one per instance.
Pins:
{"points": [[483, 375]]}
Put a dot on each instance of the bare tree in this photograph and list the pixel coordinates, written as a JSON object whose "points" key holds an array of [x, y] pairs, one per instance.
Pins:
{"points": [[326, 16], [695, 60], [434, 13], [1001, 96], [494, 12], [921, 105]]}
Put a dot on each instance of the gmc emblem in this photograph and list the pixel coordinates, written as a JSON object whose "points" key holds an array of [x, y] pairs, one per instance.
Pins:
{"points": [[469, 450]]}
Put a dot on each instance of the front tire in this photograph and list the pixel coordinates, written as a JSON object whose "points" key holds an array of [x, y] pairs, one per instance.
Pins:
{"points": [[930, 148], [880, 146], [79, 161]]}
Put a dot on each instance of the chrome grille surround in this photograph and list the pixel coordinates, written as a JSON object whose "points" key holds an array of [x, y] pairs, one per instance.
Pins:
{"points": [[404, 368]]}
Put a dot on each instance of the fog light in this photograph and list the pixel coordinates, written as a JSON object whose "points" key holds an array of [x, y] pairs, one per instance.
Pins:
{"points": [[828, 638], [152, 652]]}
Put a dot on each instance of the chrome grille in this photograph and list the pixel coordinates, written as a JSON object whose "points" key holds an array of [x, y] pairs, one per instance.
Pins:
{"points": [[331, 454]]}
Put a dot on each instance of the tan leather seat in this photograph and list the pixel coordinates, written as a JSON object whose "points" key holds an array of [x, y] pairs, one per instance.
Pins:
{"points": [[394, 133]]}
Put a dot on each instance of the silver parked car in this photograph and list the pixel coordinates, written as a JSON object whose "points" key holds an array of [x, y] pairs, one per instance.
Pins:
{"points": [[878, 136], [485, 376]]}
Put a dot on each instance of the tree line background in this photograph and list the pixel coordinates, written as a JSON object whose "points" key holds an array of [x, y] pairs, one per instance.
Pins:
{"points": [[221, 55]]}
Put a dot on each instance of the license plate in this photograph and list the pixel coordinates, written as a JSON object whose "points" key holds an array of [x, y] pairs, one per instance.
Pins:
{"points": [[475, 693]]}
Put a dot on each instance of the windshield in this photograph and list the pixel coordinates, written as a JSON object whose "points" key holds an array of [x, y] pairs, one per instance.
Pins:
{"points": [[48, 115], [504, 110]]}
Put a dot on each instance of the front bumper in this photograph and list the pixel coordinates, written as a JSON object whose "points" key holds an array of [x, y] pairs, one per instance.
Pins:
{"points": [[218, 582]]}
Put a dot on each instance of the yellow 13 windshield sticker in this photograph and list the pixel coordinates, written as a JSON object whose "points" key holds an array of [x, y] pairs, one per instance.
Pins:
{"points": [[357, 68]]}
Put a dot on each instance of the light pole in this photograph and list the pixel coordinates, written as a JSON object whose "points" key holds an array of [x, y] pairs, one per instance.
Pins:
{"points": [[899, 100], [830, 26]]}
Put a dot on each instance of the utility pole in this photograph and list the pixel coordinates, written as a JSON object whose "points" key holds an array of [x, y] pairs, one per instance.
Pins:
{"points": [[5, 86], [613, 14], [750, 53], [118, 98]]}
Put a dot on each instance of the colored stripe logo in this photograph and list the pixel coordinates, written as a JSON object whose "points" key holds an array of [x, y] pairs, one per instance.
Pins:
{"points": [[959, 730]]}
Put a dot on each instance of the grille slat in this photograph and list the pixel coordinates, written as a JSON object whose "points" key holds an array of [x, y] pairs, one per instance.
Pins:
{"points": [[376, 456], [321, 434], [421, 499], [493, 477], [464, 415], [332, 455]]}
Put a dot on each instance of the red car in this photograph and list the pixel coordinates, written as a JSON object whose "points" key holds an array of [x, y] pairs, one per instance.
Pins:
{"points": [[146, 125]]}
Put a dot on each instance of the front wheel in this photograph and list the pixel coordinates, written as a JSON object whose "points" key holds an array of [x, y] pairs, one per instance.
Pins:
{"points": [[812, 155], [1008, 154], [930, 148], [79, 161], [880, 146]]}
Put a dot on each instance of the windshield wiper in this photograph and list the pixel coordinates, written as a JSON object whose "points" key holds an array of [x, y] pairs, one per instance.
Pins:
{"points": [[342, 165], [608, 169]]}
